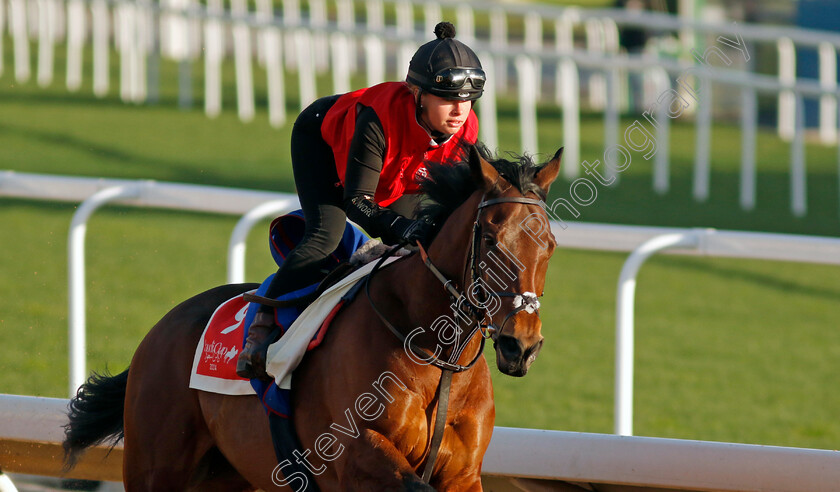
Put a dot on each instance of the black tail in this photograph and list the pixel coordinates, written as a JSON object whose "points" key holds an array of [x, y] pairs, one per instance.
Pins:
{"points": [[96, 415]]}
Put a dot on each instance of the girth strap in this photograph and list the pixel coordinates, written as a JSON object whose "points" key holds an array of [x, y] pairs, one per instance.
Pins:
{"points": [[286, 443]]}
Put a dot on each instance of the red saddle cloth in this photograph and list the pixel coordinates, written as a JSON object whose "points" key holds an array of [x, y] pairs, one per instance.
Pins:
{"points": [[214, 366]]}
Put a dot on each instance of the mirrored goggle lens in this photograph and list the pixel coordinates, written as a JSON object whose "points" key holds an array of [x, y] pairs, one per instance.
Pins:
{"points": [[456, 78]]}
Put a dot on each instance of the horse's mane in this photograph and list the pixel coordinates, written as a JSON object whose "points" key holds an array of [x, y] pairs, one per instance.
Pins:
{"points": [[447, 186]]}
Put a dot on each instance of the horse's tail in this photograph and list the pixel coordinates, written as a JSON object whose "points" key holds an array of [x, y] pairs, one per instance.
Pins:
{"points": [[96, 415]]}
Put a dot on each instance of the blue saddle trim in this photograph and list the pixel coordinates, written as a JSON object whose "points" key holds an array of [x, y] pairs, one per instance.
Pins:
{"points": [[285, 232]]}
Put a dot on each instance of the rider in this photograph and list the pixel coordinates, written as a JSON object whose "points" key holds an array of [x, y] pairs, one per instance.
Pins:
{"points": [[360, 156]]}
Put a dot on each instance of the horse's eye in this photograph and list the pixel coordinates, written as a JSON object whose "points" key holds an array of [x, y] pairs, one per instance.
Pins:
{"points": [[489, 240]]}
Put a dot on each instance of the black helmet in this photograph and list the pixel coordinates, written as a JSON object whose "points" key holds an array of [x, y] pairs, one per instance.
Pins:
{"points": [[444, 67]]}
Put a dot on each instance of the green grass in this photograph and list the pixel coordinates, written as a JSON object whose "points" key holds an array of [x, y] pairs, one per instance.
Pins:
{"points": [[728, 350], [725, 350]]}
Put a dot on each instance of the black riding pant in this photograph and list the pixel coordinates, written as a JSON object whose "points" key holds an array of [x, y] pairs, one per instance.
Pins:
{"points": [[321, 198]]}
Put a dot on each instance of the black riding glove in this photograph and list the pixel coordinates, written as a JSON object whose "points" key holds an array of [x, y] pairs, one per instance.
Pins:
{"points": [[386, 224], [410, 231]]}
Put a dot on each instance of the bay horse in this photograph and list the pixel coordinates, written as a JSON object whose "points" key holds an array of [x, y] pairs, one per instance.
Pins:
{"points": [[365, 401]]}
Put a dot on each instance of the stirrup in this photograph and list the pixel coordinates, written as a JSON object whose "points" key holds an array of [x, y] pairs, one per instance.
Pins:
{"points": [[245, 369]]}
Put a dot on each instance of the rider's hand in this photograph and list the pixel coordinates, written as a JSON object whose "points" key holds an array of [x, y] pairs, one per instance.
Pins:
{"points": [[409, 231]]}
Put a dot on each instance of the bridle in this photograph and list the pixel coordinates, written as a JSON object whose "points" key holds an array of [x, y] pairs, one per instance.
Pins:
{"points": [[526, 301]]}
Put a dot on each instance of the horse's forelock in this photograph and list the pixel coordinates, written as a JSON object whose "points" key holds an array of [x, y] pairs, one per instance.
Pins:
{"points": [[520, 172], [448, 186]]}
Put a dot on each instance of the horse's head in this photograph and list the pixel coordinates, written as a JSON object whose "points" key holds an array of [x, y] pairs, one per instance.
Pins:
{"points": [[506, 259]]}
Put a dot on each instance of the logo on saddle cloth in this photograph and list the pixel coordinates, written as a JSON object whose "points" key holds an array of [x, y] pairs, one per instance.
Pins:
{"points": [[222, 340]]}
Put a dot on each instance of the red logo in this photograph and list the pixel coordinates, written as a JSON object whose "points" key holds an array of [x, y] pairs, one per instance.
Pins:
{"points": [[222, 340]]}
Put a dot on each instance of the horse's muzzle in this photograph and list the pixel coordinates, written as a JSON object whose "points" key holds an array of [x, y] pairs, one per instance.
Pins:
{"points": [[512, 358]]}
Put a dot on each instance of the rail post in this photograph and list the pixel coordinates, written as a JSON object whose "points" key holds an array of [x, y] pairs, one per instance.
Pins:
{"points": [[624, 329], [76, 276], [236, 245]]}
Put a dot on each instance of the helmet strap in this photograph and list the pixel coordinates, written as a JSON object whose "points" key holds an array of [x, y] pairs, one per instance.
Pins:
{"points": [[418, 110], [418, 104], [418, 115]]}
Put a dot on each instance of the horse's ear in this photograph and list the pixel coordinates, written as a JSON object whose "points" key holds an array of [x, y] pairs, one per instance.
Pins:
{"points": [[483, 173], [548, 173]]}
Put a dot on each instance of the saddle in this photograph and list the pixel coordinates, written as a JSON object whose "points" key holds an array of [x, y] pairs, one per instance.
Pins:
{"points": [[354, 251], [366, 253], [341, 271]]}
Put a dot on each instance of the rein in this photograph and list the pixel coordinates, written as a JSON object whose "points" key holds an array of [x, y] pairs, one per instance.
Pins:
{"points": [[432, 358], [526, 301]]}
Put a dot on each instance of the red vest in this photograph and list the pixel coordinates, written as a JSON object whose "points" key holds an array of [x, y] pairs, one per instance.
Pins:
{"points": [[407, 144]]}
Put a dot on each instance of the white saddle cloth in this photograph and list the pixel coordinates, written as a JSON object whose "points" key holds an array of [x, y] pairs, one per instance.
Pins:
{"points": [[285, 354]]}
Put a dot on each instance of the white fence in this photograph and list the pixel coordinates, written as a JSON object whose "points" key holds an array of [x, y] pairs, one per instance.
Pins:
{"points": [[94, 193], [517, 459], [707, 242], [641, 241], [313, 41]]}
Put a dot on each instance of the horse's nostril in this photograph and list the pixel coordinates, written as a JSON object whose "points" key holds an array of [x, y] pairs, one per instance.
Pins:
{"points": [[509, 347]]}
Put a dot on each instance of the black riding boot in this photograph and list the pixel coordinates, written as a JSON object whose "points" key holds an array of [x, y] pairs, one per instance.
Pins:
{"points": [[262, 333]]}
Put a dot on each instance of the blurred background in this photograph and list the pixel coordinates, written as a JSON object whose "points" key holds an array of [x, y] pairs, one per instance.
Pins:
{"points": [[205, 93]]}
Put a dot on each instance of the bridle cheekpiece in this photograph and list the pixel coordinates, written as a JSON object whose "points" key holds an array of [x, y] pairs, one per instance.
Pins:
{"points": [[525, 301]]}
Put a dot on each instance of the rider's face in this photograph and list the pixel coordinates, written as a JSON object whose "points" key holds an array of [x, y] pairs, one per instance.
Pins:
{"points": [[444, 115]]}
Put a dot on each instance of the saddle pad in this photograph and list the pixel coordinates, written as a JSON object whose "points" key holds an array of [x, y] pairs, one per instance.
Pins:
{"points": [[214, 365], [285, 354]]}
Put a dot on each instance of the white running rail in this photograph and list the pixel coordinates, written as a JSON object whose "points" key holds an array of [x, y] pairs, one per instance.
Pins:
{"points": [[513, 460], [254, 206], [709, 242], [94, 193]]}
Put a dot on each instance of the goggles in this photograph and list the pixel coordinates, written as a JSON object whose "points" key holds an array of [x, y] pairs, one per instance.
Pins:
{"points": [[456, 78]]}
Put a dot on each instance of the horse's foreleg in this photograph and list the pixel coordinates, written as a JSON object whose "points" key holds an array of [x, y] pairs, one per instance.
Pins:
{"points": [[374, 463]]}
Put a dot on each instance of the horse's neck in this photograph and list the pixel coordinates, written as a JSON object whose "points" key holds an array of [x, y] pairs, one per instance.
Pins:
{"points": [[418, 299]]}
